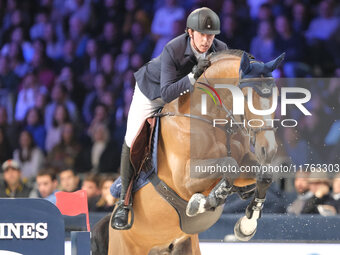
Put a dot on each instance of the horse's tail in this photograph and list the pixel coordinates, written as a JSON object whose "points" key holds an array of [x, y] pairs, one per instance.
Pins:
{"points": [[100, 236]]}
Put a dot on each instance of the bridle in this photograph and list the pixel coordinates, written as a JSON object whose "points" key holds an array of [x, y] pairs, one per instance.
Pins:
{"points": [[251, 132]]}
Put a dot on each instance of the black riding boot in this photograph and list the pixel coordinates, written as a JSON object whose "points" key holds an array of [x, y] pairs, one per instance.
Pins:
{"points": [[121, 215]]}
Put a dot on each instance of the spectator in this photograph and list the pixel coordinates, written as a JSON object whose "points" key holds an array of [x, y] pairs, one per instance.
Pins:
{"points": [[60, 118], [10, 129], [16, 60], [161, 26], [324, 26], [301, 185], [262, 46], [69, 180], [47, 184], [30, 157], [65, 153], [37, 30], [77, 35], [34, 124], [59, 96], [106, 201], [91, 185], [294, 47], [26, 96], [13, 186], [336, 192], [54, 47], [231, 34], [5, 147], [103, 155], [94, 97], [8, 79], [300, 18], [109, 41], [321, 202]]}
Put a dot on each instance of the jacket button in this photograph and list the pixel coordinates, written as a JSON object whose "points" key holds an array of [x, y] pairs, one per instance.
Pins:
{"points": [[181, 94]]}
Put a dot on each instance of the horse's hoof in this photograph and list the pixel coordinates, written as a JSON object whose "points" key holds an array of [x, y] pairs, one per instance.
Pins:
{"points": [[240, 235], [196, 205]]}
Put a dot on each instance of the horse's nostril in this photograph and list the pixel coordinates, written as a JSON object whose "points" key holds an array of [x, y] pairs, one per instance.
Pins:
{"points": [[263, 150]]}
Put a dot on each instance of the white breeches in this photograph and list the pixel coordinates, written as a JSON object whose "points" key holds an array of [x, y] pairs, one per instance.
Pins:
{"points": [[140, 109]]}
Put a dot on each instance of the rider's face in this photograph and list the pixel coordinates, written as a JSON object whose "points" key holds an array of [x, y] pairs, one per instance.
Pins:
{"points": [[201, 42]]}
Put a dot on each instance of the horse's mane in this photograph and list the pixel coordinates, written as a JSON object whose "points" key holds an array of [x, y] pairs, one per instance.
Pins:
{"points": [[228, 53]]}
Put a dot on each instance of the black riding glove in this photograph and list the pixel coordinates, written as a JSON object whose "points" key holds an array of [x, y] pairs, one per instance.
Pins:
{"points": [[202, 65]]}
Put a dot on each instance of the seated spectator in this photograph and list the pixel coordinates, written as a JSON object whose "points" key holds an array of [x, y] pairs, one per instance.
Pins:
{"points": [[336, 192], [293, 45], [106, 201], [301, 185], [102, 156], [94, 97], [262, 46], [324, 26], [5, 147], [16, 60], [47, 184], [321, 202], [109, 39], [231, 34], [35, 125], [29, 156], [59, 96], [64, 154], [69, 180], [13, 186], [8, 79], [91, 184], [10, 129], [54, 47], [60, 118]]}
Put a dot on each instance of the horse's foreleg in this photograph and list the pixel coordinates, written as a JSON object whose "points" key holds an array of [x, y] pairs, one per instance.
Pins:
{"points": [[199, 203], [245, 228]]}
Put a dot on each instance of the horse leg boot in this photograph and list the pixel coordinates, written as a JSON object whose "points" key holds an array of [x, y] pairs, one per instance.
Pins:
{"points": [[121, 215], [245, 227], [198, 203]]}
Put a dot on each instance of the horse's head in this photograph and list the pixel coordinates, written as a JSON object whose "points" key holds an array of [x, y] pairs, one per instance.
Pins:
{"points": [[257, 76]]}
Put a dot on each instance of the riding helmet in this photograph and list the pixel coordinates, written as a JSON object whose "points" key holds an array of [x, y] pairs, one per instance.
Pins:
{"points": [[204, 20]]}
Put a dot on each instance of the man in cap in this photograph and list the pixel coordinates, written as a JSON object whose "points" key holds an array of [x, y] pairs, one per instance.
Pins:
{"points": [[13, 186], [165, 78], [321, 202]]}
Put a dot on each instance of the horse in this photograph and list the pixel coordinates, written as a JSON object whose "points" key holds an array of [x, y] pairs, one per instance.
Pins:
{"points": [[156, 228]]}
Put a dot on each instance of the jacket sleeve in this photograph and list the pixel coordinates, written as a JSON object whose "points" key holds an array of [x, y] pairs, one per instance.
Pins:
{"points": [[170, 87]]}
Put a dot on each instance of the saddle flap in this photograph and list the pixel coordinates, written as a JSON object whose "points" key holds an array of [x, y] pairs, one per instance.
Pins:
{"points": [[142, 144]]}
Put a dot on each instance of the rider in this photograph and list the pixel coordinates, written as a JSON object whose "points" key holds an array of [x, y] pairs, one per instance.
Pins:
{"points": [[163, 79]]}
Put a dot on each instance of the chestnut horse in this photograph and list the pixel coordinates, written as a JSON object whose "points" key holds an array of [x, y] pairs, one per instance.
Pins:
{"points": [[187, 134]]}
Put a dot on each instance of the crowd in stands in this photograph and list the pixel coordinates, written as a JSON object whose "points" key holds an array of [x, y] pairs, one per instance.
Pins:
{"points": [[66, 77]]}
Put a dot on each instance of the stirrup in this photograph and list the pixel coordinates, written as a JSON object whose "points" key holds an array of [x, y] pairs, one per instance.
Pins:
{"points": [[127, 207]]}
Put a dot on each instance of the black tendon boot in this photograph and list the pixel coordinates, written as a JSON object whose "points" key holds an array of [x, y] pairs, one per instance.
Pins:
{"points": [[121, 214]]}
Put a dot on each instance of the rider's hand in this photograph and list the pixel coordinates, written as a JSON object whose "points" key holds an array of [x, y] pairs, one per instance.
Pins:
{"points": [[202, 65]]}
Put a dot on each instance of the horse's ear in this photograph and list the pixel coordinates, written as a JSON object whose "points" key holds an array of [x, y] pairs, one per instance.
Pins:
{"points": [[245, 63], [272, 65]]}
